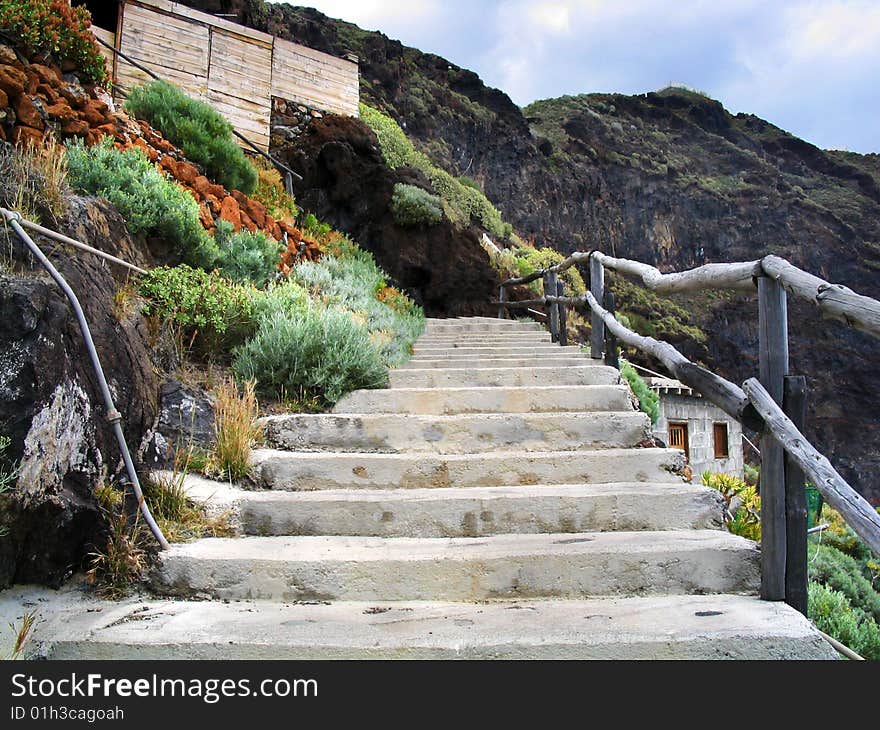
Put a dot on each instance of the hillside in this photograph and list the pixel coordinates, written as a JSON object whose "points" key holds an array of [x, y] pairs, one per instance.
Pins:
{"points": [[670, 178]]}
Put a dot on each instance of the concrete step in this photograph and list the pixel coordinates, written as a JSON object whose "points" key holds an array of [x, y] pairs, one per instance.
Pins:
{"points": [[475, 512], [486, 327], [459, 434], [425, 569], [297, 472], [537, 351], [590, 372], [451, 401], [476, 362], [481, 339], [77, 627]]}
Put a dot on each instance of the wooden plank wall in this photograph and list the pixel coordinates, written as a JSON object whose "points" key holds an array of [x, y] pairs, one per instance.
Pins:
{"points": [[234, 68], [316, 79]]}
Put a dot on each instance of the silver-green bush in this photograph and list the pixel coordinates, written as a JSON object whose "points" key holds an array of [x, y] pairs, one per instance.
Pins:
{"points": [[412, 206]]}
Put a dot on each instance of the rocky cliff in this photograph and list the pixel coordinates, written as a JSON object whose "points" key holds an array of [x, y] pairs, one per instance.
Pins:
{"points": [[669, 178]]}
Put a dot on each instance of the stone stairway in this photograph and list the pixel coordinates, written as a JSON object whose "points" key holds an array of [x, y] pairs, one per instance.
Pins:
{"points": [[498, 501]]}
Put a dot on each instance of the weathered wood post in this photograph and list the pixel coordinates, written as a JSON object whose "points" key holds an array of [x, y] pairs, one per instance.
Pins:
{"points": [[563, 315], [502, 298], [773, 345], [612, 346], [552, 310], [795, 407], [597, 288]]}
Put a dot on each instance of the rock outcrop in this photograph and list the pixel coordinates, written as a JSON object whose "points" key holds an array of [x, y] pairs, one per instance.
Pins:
{"points": [[52, 408]]}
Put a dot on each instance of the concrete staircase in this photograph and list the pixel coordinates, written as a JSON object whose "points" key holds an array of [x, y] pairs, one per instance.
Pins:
{"points": [[498, 501]]}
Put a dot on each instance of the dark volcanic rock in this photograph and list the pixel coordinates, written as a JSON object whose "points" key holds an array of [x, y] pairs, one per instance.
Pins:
{"points": [[50, 405], [186, 419], [346, 183]]}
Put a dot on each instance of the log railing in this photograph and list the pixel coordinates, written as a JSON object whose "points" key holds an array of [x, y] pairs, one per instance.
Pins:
{"points": [[774, 403]]}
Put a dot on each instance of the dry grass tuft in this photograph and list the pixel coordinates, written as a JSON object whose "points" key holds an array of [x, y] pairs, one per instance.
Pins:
{"points": [[122, 562], [235, 425]]}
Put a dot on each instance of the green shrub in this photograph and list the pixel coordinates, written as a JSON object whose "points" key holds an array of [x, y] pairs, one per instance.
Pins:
{"points": [[529, 260], [832, 613], [204, 135], [463, 200], [844, 574], [205, 309], [841, 536], [396, 147], [649, 401], [53, 28], [150, 202], [245, 257], [319, 356], [311, 226], [414, 207], [356, 283]]}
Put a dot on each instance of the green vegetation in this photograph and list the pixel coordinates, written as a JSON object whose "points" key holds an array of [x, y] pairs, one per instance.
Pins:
{"points": [[316, 357], [53, 28], [530, 260], [245, 257], [206, 311], [845, 574], [413, 207], [833, 613], [204, 135], [121, 561], [461, 202], [354, 283], [652, 315], [272, 194], [8, 476], [742, 504], [179, 518], [649, 401], [150, 202]]}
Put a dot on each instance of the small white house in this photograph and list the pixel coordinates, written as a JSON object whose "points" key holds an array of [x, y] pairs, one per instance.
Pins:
{"points": [[712, 440]]}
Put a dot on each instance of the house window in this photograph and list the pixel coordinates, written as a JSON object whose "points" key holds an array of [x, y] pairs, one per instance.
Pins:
{"points": [[678, 437], [722, 445]]}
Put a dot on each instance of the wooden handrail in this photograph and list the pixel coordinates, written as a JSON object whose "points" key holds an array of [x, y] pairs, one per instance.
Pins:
{"points": [[753, 405], [834, 300], [854, 508]]}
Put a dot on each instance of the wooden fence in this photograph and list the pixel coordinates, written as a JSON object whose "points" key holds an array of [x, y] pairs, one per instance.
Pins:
{"points": [[774, 403], [236, 69]]}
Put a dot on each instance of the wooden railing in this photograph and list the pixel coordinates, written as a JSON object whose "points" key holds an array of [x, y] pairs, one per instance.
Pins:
{"points": [[774, 403]]}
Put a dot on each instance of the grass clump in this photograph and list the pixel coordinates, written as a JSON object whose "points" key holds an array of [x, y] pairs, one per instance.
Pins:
{"points": [[270, 191], [832, 612], [54, 29], [179, 518], [318, 356], [150, 202], [414, 207], [33, 180], [235, 429], [121, 563], [206, 313], [530, 260], [649, 401], [204, 135], [461, 202]]}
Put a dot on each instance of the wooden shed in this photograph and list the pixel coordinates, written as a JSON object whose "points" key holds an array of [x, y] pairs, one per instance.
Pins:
{"points": [[236, 69]]}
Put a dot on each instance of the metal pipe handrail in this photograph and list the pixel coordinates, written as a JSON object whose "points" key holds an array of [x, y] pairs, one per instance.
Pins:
{"points": [[289, 174], [114, 417], [78, 245]]}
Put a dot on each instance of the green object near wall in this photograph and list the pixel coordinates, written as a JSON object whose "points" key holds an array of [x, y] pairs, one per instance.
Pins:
{"points": [[815, 502]]}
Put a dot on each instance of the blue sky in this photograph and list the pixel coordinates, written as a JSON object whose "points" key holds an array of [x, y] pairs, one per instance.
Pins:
{"points": [[811, 67]]}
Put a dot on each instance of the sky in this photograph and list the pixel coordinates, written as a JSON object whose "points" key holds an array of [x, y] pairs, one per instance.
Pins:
{"points": [[812, 67]]}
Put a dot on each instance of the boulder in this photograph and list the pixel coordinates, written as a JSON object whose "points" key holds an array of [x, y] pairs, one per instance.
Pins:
{"points": [[50, 404]]}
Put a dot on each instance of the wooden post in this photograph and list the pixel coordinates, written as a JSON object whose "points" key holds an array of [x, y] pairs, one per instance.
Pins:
{"points": [[612, 346], [796, 502], [597, 289], [502, 297], [773, 344], [563, 315], [552, 310]]}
